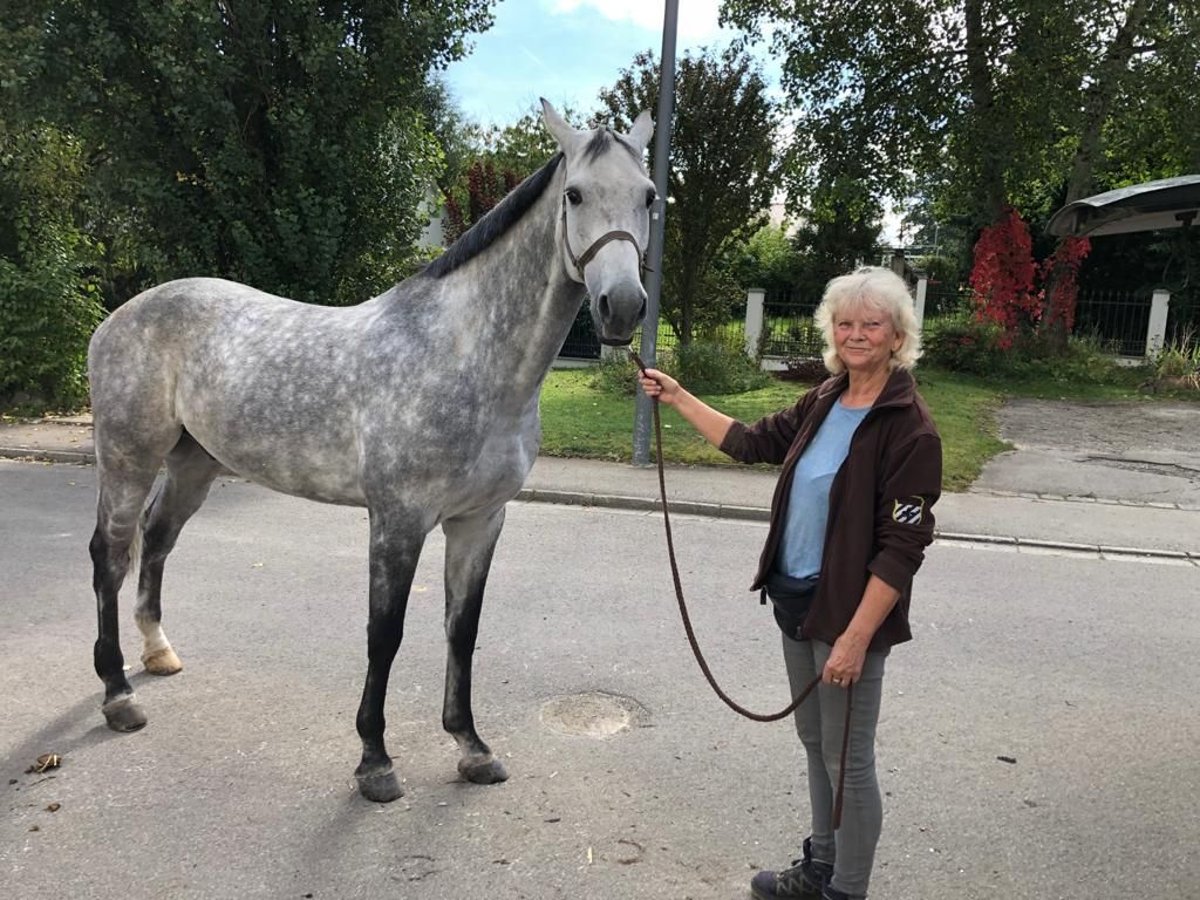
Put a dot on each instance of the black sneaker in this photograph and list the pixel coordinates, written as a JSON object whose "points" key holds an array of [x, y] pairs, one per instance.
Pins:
{"points": [[805, 880]]}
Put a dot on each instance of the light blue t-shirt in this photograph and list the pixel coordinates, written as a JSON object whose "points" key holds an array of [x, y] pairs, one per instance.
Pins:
{"points": [[808, 508]]}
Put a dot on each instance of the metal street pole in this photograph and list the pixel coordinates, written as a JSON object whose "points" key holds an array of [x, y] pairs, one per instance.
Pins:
{"points": [[643, 415]]}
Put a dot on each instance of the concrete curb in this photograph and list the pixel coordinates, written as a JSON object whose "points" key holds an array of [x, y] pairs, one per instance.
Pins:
{"points": [[756, 514], [723, 511], [74, 457]]}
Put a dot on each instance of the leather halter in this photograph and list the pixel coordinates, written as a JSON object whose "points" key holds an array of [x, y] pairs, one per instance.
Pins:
{"points": [[580, 262]]}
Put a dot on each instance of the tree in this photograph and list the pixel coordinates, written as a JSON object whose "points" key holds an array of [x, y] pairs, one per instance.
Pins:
{"points": [[278, 142], [999, 96], [500, 157], [48, 310], [986, 105], [722, 172]]}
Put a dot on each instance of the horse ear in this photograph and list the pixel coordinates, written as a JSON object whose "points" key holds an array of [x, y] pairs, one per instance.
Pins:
{"points": [[557, 125], [642, 130]]}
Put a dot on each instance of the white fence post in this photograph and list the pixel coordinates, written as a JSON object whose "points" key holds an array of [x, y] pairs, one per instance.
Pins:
{"points": [[919, 302], [755, 302], [1156, 331]]}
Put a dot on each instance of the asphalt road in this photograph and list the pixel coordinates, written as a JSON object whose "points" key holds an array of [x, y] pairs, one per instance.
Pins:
{"points": [[1080, 669]]}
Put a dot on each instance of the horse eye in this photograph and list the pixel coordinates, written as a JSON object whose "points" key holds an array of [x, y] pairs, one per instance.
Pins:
{"points": [[574, 196], [651, 196]]}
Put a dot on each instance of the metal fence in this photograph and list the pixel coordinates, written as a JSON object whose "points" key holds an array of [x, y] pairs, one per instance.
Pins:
{"points": [[1117, 320], [788, 328], [581, 342]]}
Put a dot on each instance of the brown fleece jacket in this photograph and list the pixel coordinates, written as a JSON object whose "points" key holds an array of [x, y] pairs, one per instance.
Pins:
{"points": [[880, 504]]}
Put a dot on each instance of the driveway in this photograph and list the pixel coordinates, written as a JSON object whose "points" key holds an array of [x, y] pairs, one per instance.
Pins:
{"points": [[1137, 452]]}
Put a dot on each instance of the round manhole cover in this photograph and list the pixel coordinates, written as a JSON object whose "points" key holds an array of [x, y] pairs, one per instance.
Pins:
{"points": [[592, 714]]}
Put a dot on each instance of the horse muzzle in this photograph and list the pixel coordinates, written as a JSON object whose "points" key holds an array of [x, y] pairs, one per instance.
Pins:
{"points": [[618, 310]]}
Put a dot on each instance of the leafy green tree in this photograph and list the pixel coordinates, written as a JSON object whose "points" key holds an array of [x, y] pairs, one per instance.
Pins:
{"points": [[995, 97], [47, 309], [496, 159], [278, 142], [765, 259], [722, 173]]}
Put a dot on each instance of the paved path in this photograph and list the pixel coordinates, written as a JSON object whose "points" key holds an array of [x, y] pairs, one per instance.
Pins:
{"points": [[1038, 737], [1079, 479]]}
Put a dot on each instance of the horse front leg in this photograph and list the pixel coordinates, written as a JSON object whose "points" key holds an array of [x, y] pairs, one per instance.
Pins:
{"points": [[396, 541], [469, 546]]}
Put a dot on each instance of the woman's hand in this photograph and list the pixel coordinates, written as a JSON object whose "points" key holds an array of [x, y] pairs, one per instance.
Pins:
{"points": [[661, 385], [845, 663]]}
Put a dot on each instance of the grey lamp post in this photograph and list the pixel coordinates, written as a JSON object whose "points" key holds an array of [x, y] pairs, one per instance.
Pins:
{"points": [[658, 215]]}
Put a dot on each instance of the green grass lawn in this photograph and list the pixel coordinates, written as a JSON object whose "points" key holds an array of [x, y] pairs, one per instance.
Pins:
{"points": [[578, 420]]}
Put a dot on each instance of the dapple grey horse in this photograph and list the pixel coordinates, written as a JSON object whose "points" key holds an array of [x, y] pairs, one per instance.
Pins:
{"points": [[420, 404]]}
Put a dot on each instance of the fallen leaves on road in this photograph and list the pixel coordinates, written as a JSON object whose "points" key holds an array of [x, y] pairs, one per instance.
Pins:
{"points": [[44, 763]]}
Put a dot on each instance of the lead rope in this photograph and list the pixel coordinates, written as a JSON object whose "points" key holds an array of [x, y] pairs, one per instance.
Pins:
{"points": [[691, 634]]}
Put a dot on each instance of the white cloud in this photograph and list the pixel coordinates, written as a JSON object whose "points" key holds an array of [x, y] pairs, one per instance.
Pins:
{"points": [[697, 18]]}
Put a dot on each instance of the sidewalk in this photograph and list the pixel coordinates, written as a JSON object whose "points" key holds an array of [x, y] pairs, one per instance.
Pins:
{"points": [[1004, 514]]}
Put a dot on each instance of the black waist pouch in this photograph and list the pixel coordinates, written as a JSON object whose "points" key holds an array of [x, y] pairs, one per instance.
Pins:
{"points": [[791, 599]]}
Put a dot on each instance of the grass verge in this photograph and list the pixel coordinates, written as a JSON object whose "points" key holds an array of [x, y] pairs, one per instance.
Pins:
{"points": [[579, 421]]}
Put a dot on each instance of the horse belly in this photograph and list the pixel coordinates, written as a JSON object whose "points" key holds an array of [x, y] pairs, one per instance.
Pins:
{"points": [[316, 463], [324, 478]]}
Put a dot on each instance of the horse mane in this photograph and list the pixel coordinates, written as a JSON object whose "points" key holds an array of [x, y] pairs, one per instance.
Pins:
{"points": [[498, 220]]}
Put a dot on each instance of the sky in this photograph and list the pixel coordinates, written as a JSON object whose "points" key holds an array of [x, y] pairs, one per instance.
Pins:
{"points": [[566, 51]]}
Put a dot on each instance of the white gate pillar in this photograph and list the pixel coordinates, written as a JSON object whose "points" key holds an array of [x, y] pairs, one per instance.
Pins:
{"points": [[755, 302], [1156, 331], [919, 301]]}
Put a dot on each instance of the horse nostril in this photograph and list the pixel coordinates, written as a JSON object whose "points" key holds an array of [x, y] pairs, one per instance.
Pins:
{"points": [[605, 311], [642, 310]]}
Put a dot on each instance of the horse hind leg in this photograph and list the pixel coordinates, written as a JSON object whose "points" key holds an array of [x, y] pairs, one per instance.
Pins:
{"points": [[470, 544], [190, 474], [119, 508]]}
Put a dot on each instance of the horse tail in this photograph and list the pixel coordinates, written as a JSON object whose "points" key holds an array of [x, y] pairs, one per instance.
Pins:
{"points": [[136, 545], [135, 548]]}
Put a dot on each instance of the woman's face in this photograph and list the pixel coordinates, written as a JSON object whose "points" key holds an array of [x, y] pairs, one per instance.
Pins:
{"points": [[865, 338]]}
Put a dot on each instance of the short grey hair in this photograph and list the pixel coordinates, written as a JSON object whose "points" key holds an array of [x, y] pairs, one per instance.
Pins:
{"points": [[877, 288]]}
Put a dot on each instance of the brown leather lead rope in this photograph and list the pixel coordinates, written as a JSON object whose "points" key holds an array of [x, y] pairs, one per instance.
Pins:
{"points": [[691, 634]]}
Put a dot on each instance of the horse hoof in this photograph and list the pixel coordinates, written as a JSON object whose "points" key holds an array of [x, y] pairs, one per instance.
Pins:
{"points": [[381, 787], [124, 714], [162, 662], [482, 769]]}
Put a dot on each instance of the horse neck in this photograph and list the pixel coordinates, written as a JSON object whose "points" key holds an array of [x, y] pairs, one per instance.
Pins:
{"points": [[519, 301]]}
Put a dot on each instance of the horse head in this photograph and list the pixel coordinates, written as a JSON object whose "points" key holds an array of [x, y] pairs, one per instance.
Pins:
{"points": [[605, 223]]}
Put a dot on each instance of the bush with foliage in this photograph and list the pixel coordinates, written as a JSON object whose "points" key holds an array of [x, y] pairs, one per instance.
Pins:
{"points": [[962, 342], [1019, 294], [48, 307], [616, 373], [1080, 360], [716, 367], [708, 366], [1178, 364], [804, 369]]}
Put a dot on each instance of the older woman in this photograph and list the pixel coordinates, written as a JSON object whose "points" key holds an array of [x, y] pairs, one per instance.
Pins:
{"points": [[850, 521]]}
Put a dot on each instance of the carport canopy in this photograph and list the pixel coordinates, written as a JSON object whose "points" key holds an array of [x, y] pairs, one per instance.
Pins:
{"points": [[1151, 206]]}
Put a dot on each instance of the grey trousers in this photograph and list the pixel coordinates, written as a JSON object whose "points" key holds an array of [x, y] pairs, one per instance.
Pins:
{"points": [[820, 722]]}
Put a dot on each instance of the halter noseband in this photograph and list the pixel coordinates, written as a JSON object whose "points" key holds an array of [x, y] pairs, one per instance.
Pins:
{"points": [[590, 253]]}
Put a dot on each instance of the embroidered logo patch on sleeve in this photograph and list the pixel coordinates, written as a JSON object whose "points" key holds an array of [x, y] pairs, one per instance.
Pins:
{"points": [[908, 510]]}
